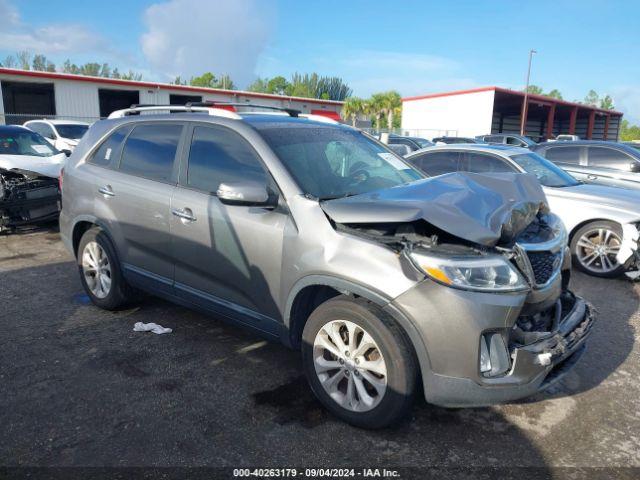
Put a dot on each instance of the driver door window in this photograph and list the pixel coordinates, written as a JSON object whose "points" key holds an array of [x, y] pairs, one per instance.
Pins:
{"points": [[481, 163]]}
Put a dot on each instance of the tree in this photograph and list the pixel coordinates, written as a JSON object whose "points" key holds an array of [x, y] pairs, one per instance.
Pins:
{"points": [[178, 81], [534, 90], [555, 93], [131, 75], [607, 103], [376, 107], [39, 62], [259, 85], [24, 60], [629, 132], [277, 85], [391, 103], [209, 80], [353, 106], [10, 62], [592, 98]]}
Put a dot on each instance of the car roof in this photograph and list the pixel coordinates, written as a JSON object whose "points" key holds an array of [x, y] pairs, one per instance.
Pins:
{"points": [[58, 122], [581, 142], [506, 150], [4, 129]]}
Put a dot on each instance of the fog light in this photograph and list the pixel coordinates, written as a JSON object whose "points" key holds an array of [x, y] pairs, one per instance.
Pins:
{"points": [[494, 358]]}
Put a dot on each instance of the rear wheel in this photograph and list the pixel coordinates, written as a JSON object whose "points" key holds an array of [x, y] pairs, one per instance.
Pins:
{"points": [[594, 248], [358, 362], [100, 271]]}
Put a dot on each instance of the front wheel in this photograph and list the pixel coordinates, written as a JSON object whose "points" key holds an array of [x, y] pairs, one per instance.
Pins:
{"points": [[594, 248], [358, 362]]}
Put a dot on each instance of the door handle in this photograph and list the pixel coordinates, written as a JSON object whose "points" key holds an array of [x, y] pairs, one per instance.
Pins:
{"points": [[592, 177], [184, 214], [107, 191]]}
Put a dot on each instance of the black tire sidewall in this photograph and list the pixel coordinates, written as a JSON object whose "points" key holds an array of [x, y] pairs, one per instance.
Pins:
{"points": [[116, 297], [613, 226], [398, 357]]}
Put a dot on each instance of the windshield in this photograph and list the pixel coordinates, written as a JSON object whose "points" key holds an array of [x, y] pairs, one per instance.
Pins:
{"points": [[71, 131], [422, 142], [330, 162], [546, 172], [25, 142]]}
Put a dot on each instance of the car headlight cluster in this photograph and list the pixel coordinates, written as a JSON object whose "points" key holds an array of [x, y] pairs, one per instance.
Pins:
{"points": [[492, 273]]}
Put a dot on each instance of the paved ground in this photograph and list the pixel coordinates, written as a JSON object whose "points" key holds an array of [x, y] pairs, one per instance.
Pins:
{"points": [[80, 388]]}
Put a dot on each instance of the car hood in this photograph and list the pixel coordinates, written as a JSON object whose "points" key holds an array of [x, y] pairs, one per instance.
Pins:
{"points": [[46, 166], [599, 196], [479, 208]]}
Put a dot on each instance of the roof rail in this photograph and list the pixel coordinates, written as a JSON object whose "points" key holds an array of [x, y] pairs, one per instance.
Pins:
{"points": [[137, 109], [292, 112]]}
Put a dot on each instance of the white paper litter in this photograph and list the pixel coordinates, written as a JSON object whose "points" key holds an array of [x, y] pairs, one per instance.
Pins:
{"points": [[151, 327]]}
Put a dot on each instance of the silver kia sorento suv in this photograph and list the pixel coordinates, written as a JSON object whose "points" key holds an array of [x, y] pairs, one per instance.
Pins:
{"points": [[315, 234]]}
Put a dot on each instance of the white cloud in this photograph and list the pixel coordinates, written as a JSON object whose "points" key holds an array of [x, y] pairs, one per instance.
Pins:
{"points": [[189, 37], [51, 39]]}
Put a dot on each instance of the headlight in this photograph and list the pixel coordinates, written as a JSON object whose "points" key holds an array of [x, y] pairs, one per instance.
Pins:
{"points": [[485, 274]]}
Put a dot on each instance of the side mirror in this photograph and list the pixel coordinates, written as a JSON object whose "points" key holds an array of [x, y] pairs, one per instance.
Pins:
{"points": [[248, 193], [67, 152]]}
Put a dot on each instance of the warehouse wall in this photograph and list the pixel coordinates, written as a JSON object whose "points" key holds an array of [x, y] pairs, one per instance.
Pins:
{"points": [[470, 114], [76, 101]]}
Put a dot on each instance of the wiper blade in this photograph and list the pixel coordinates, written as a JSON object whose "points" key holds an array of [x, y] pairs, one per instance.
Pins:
{"points": [[335, 197]]}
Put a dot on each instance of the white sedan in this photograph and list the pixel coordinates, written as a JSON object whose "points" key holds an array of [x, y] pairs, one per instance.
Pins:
{"points": [[62, 134], [23, 149]]}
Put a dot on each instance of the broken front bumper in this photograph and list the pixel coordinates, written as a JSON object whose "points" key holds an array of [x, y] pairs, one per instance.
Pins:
{"points": [[451, 324]]}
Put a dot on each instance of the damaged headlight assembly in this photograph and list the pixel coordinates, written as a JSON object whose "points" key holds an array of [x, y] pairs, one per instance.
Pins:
{"points": [[477, 273]]}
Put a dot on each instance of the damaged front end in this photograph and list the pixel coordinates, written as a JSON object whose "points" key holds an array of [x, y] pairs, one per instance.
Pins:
{"points": [[497, 312], [27, 198]]}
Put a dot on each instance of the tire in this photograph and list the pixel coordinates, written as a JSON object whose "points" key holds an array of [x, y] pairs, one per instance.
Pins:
{"points": [[379, 406], [119, 292], [594, 235]]}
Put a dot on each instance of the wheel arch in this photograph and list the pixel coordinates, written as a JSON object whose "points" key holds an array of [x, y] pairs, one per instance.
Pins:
{"points": [[81, 225], [578, 226], [295, 317]]}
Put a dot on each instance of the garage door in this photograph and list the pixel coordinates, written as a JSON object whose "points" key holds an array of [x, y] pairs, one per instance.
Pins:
{"points": [[111, 100], [26, 101]]}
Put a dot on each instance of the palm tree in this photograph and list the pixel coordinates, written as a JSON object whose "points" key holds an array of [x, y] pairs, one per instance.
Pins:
{"points": [[391, 104], [376, 107], [353, 106]]}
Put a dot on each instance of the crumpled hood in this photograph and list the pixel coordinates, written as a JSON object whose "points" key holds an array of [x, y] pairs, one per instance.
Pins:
{"points": [[46, 166], [479, 208]]}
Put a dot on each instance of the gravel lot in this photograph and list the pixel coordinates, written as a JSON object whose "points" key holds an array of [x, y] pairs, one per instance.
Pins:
{"points": [[80, 388]]}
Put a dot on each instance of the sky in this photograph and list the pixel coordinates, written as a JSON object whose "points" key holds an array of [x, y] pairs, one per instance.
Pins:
{"points": [[415, 47]]}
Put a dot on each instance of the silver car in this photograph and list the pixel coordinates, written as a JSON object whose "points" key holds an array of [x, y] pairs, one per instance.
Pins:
{"points": [[602, 221], [316, 235]]}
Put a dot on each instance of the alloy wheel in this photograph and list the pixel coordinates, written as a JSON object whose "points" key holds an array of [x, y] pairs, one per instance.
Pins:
{"points": [[596, 250], [349, 365], [96, 269]]}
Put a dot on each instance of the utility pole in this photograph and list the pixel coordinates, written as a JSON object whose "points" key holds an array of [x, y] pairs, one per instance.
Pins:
{"points": [[525, 104]]}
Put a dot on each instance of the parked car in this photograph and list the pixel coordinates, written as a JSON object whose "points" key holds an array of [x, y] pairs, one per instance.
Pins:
{"points": [[413, 143], [315, 234], [28, 178], [602, 221], [592, 161], [507, 139], [633, 144], [23, 149], [451, 140], [567, 138], [62, 134]]}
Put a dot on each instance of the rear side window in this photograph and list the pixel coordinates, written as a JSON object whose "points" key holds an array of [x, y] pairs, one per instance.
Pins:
{"points": [[108, 153], [150, 151], [481, 163], [607, 157], [219, 155], [437, 163], [570, 155]]}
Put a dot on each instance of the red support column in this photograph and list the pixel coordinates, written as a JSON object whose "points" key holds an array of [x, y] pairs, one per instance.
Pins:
{"points": [[606, 126], [592, 122], [572, 121], [550, 118]]}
